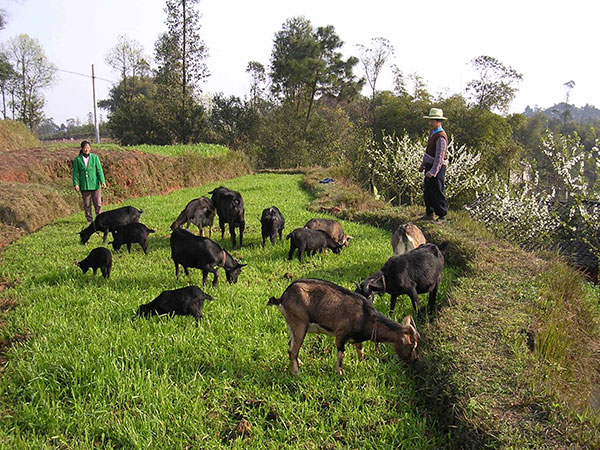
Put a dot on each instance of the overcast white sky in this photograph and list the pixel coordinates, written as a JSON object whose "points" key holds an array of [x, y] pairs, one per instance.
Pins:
{"points": [[549, 42]]}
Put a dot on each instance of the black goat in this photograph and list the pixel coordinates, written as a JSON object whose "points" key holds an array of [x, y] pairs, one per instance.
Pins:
{"points": [[202, 253], [310, 241], [272, 224], [108, 221], [415, 272], [99, 258], [187, 301], [130, 234], [230, 209]]}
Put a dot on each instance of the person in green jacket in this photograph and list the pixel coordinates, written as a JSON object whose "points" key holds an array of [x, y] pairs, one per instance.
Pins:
{"points": [[88, 178]]}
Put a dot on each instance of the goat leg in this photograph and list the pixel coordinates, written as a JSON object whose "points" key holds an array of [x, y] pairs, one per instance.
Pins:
{"points": [[359, 351], [297, 335], [393, 299], [340, 355], [431, 303]]}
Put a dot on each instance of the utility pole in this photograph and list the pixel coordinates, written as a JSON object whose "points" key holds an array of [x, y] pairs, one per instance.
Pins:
{"points": [[95, 107]]}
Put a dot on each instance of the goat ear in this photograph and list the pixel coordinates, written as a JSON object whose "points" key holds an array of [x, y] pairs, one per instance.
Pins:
{"points": [[76, 262]]}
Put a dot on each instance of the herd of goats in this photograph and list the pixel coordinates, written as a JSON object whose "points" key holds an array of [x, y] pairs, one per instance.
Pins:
{"points": [[308, 305]]}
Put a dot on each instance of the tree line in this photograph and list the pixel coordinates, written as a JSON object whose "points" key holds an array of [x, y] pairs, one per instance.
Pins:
{"points": [[305, 105]]}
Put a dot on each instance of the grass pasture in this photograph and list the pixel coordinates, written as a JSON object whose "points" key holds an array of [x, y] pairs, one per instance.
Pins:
{"points": [[200, 149], [83, 373]]}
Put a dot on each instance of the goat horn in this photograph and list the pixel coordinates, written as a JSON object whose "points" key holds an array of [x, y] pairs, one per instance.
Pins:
{"points": [[412, 322]]}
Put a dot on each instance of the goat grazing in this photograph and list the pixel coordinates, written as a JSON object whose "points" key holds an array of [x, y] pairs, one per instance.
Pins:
{"points": [[272, 224], [406, 238], [318, 306], [200, 212], [129, 234], [311, 241], [203, 253], [187, 301], [99, 258], [413, 273], [230, 209], [332, 228], [109, 221]]}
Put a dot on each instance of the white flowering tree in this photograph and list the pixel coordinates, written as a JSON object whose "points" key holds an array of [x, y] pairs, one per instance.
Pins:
{"points": [[576, 193], [394, 166], [565, 208], [519, 214], [395, 163]]}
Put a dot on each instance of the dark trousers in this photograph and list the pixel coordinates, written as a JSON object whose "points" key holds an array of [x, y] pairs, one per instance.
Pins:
{"points": [[90, 197], [433, 193]]}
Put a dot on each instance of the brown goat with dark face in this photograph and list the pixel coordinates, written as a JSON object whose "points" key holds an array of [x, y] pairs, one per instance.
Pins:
{"points": [[319, 306]]}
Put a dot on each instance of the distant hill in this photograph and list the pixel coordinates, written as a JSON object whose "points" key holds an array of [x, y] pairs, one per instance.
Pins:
{"points": [[583, 115]]}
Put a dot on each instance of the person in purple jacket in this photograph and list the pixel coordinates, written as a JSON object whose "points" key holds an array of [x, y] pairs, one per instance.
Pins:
{"points": [[88, 178], [435, 161]]}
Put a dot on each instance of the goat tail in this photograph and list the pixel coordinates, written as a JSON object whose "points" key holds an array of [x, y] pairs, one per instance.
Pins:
{"points": [[289, 235], [274, 301]]}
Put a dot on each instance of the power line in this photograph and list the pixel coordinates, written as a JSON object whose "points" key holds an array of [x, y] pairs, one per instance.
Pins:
{"points": [[85, 75]]}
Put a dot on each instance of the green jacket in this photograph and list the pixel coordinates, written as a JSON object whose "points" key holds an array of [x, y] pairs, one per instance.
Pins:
{"points": [[88, 178]]}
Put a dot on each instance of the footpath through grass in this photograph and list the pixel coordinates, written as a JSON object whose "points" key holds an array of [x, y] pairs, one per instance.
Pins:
{"points": [[81, 372]]}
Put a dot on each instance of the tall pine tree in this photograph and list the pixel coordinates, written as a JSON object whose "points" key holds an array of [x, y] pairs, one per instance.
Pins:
{"points": [[180, 55]]}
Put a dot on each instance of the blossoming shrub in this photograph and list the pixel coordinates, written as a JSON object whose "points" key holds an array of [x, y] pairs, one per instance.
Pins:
{"points": [[521, 215], [566, 208], [394, 167]]}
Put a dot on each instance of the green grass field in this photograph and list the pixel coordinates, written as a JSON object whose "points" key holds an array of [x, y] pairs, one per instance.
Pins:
{"points": [[200, 149], [84, 373]]}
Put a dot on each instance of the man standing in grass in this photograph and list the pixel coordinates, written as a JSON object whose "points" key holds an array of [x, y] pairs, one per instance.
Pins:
{"points": [[88, 177], [434, 165]]}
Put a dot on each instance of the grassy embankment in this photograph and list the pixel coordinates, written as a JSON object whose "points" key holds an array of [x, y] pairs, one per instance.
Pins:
{"points": [[81, 373], [513, 358], [15, 135], [36, 186]]}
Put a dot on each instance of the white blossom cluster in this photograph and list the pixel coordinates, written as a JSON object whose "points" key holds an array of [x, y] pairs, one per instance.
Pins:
{"points": [[567, 210], [395, 164], [521, 215], [580, 214], [463, 172]]}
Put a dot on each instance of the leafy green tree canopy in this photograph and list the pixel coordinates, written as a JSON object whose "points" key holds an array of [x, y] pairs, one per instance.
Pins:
{"points": [[306, 64], [495, 89], [34, 73]]}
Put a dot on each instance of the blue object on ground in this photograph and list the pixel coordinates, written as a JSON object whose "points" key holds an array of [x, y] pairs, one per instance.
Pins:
{"points": [[327, 180]]}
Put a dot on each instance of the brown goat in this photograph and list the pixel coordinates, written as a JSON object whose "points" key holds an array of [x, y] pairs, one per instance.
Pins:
{"points": [[319, 306], [331, 227], [200, 212], [407, 237]]}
